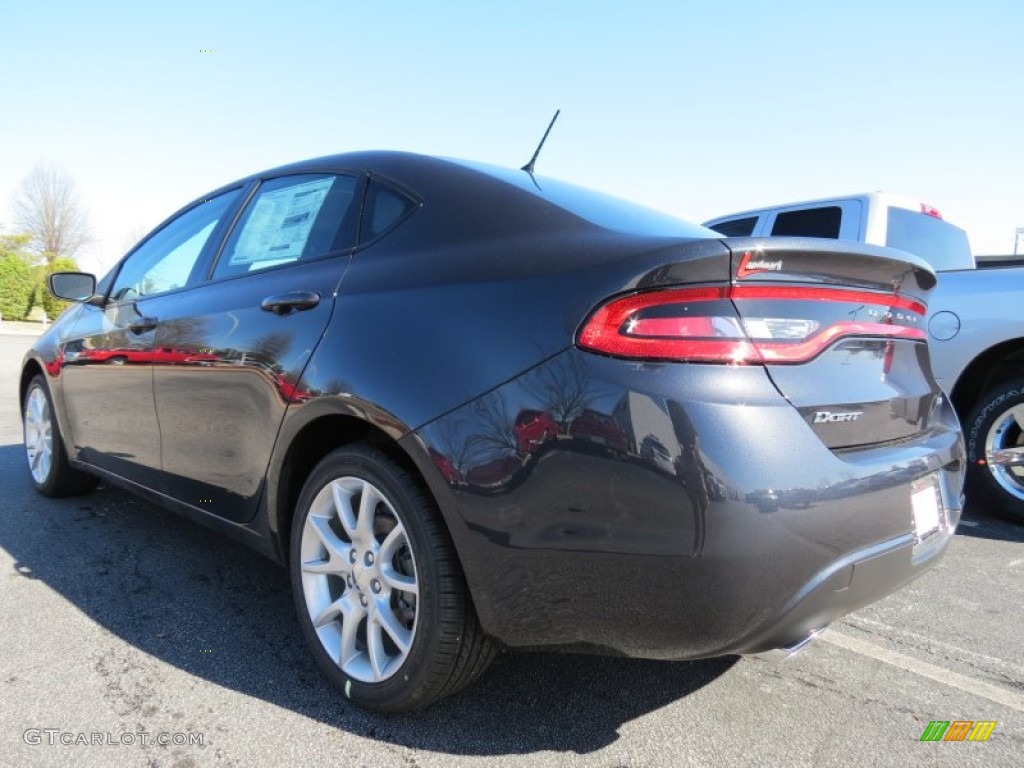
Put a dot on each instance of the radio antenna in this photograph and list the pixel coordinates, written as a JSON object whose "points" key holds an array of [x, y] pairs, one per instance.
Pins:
{"points": [[533, 160]]}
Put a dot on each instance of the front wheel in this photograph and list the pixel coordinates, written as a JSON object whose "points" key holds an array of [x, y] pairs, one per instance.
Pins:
{"points": [[48, 465], [995, 451], [381, 597]]}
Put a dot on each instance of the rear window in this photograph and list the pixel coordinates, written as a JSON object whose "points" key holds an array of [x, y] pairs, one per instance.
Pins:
{"points": [[736, 227], [809, 222], [614, 213], [938, 242], [603, 210]]}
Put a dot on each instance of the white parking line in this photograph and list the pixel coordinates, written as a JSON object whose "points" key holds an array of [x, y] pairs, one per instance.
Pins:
{"points": [[931, 645], [923, 668]]}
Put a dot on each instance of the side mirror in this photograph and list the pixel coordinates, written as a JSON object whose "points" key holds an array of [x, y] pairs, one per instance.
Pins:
{"points": [[72, 286]]}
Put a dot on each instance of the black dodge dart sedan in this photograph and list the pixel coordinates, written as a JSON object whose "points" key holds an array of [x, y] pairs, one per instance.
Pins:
{"points": [[470, 407]]}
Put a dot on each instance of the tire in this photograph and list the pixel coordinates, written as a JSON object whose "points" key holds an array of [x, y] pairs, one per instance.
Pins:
{"points": [[49, 470], [995, 437], [397, 631]]}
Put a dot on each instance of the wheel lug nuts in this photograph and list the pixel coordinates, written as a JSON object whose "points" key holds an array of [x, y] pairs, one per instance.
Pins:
{"points": [[369, 558], [375, 586], [352, 556], [362, 599], [349, 582]]}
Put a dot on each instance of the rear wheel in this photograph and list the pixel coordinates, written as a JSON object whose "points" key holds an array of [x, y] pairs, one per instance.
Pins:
{"points": [[995, 451], [48, 465], [381, 597]]}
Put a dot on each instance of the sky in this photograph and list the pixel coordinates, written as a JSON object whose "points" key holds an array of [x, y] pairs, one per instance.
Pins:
{"points": [[694, 108]]}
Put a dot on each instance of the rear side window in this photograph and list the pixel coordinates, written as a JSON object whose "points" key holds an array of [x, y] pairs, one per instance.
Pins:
{"points": [[809, 222], [292, 218], [938, 242], [385, 208], [736, 227]]}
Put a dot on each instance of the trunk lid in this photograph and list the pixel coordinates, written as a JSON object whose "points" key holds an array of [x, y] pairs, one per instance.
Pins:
{"points": [[873, 384]]}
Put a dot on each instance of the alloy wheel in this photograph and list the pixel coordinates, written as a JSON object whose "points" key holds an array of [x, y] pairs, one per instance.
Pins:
{"points": [[359, 579], [38, 435]]}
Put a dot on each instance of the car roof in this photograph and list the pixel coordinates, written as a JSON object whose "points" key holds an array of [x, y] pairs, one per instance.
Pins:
{"points": [[484, 189]]}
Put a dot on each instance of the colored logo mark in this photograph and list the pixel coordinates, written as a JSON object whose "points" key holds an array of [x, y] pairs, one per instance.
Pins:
{"points": [[958, 730]]}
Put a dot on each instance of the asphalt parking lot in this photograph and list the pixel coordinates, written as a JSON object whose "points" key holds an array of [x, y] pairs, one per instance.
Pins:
{"points": [[122, 620]]}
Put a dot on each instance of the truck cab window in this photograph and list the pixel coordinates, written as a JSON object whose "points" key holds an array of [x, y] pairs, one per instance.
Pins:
{"points": [[736, 227], [809, 222]]}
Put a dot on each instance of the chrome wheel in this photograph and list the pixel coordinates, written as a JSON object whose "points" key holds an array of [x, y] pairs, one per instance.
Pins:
{"points": [[359, 579], [38, 435], [1004, 450]]}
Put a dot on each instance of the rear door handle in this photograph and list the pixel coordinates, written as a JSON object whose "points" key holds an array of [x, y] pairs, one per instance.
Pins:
{"points": [[286, 303], [143, 324]]}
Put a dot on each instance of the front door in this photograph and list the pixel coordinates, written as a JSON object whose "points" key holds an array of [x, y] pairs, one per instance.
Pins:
{"points": [[110, 353]]}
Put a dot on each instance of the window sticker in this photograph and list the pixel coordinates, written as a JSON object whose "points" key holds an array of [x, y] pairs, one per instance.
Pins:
{"points": [[280, 223]]}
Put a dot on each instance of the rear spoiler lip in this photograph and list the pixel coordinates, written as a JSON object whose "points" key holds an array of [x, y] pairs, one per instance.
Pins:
{"points": [[831, 262]]}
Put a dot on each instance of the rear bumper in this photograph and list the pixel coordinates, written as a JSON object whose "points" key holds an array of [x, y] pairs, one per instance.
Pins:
{"points": [[695, 517], [857, 580]]}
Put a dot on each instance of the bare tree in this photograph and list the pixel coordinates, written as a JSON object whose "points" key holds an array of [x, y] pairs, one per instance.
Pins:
{"points": [[46, 207]]}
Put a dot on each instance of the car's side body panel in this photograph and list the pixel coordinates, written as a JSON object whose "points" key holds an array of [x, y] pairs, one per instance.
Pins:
{"points": [[516, 324], [466, 335]]}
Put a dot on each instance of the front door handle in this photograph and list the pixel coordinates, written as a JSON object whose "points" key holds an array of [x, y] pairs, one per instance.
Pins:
{"points": [[142, 325], [286, 303]]}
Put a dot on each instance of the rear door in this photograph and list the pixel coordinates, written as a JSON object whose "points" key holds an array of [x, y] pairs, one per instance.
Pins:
{"points": [[237, 344]]}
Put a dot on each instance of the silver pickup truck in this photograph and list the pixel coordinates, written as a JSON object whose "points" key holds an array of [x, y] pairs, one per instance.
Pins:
{"points": [[975, 322]]}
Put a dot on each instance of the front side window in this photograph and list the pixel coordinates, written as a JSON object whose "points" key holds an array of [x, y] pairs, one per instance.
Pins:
{"points": [[292, 218], [164, 262], [809, 222]]}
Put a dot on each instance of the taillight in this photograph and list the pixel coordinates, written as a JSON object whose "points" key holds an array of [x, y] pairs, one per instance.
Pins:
{"points": [[746, 323], [928, 210]]}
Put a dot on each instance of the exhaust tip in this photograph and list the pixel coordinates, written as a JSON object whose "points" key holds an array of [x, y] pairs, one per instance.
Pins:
{"points": [[786, 652]]}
